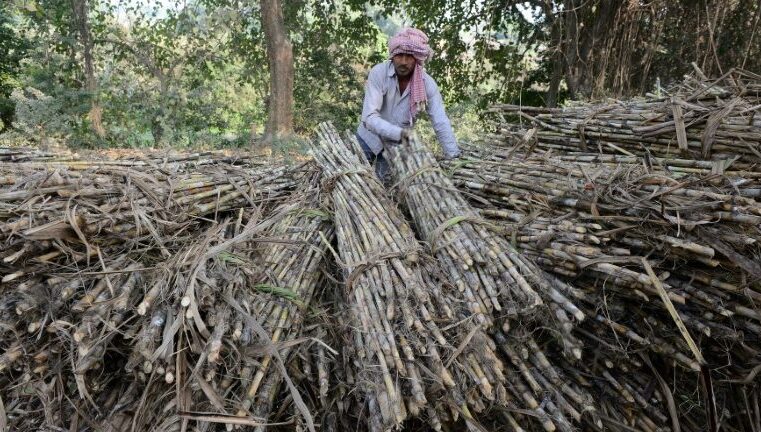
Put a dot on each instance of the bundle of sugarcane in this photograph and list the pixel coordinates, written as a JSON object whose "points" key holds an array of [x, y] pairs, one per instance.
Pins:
{"points": [[744, 174], [716, 120], [415, 351], [258, 304], [577, 184], [206, 332], [292, 271]]}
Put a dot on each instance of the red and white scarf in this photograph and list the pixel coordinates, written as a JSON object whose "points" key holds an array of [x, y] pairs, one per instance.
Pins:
{"points": [[415, 43]]}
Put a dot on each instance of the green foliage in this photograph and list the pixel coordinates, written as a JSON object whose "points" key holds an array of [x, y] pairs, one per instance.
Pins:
{"points": [[12, 50], [37, 114], [333, 46], [282, 292], [466, 122], [332, 56], [194, 73]]}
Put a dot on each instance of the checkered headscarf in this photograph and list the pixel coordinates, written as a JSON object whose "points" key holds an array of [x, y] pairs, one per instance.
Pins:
{"points": [[415, 43]]}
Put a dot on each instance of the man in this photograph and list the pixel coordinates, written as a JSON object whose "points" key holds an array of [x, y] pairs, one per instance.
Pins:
{"points": [[395, 92]]}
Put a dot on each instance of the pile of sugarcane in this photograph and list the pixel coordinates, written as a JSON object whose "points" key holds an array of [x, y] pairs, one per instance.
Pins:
{"points": [[698, 119], [528, 291], [114, 205], [127, 291], [545, 387], [665, 264]]}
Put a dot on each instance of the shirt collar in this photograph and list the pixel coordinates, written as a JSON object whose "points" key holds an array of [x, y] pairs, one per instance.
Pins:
{"points": [[390, 70]]}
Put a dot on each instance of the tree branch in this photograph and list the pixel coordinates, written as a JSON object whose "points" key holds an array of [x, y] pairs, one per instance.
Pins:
{"points": [[141, 56]]}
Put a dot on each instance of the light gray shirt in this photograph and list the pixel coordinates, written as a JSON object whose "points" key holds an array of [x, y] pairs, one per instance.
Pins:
{"points": [[386, 111]]}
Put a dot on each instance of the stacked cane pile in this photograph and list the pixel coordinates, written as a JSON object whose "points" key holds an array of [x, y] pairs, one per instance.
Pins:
{"points": [[185, 290], [537, 367], [663, 263], [699, 119], [590, 258]]}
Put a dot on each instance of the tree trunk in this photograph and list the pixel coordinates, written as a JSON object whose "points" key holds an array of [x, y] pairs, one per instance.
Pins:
{"points": [[556, 39], [280, 57], [161, 119], [79, 9], [573, 61], [589, 27], [598, 36], [658, 17]]}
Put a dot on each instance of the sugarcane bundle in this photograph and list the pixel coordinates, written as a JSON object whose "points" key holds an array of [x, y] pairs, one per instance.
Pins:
{"points": [[416, 352], [292, 272], [207, 330], [262, 288], [711, 120], [554, 183], [744, 174]]}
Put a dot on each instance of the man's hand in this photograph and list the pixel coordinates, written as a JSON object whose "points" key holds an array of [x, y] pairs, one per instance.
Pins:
{"points": [[452, 156], [406, 134]]}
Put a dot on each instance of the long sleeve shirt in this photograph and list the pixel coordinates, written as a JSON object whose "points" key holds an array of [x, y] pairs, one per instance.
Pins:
{"points": [[386, 111]]}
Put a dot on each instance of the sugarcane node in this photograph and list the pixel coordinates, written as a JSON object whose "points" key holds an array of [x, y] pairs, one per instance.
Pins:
{"points": [[329, 183], [359, 268]]}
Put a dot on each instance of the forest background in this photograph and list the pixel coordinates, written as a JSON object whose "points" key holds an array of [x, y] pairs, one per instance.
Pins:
{"points": [[233, 73]]}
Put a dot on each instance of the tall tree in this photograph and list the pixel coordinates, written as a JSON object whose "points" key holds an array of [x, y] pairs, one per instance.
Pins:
{"points": [[280, 60], [81, 24]]}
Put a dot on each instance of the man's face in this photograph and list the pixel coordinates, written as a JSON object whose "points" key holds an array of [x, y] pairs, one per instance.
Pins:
{"points": [[404, 64]]}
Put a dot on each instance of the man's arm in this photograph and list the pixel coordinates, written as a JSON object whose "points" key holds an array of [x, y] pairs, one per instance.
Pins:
{"points": [[372, 106], [440, 121]]}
